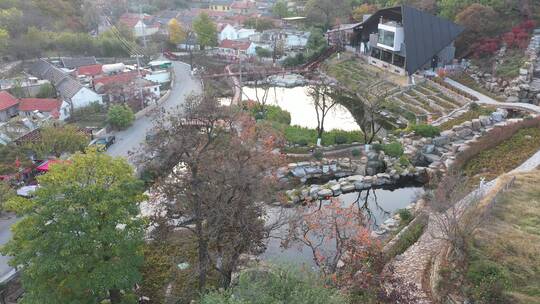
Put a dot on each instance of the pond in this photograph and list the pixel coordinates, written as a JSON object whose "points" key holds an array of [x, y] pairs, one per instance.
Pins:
{"points": [[297, 102], [376, 204]]}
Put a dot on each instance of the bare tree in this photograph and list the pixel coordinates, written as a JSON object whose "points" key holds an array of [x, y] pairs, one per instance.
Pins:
{"points": [[216, 170], [371, 102], [323, 102]]}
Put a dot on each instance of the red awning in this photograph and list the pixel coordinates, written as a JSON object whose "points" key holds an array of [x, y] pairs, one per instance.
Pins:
{"points": [[44, 166]]}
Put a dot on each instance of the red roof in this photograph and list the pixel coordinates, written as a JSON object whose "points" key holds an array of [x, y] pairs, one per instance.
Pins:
{"points": [[122, 78], [7, 101], [39, 104], [234, 44], [90, 70]]}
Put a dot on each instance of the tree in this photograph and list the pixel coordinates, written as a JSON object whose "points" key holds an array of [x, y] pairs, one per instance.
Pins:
{"points": [[6, 193], [80, 237], [324, 13], [12, 158], [91, 16], [120, 116], [259, 24], [206, 31], [10, 20], [176, 33], [371, 103], [280, 9], [364, 9], [215, 194], [263, 52], [479, 21], [4, 40], [316, 41], [46, 90], [56, 140], [323, 102]]}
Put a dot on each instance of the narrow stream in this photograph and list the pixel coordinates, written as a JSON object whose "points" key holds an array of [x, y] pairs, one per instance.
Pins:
{"points": [[376, 204]]}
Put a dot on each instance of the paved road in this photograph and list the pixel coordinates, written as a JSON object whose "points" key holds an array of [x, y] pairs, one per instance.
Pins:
{"points": [[130, 140]]}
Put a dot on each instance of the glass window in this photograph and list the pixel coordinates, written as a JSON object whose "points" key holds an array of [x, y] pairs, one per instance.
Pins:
{"points": [[386, 38]]}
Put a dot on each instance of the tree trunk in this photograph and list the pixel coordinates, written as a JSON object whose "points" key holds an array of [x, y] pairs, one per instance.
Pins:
{"points": [[115, 296]]}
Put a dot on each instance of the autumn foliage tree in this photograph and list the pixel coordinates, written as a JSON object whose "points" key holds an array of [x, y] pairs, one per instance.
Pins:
{"points": [[216, 170], [176, 32], [479, 21]]}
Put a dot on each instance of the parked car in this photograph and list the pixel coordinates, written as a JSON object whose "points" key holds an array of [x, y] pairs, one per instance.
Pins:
{"points": [[103, 143]]}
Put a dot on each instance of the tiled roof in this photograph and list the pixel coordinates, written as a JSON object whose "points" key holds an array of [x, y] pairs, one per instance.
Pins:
{"points": [[235, 44], [116, 79], [7, 101], [68, 87], [39, 104], [75, 62], [39, 68], [90, 70]]}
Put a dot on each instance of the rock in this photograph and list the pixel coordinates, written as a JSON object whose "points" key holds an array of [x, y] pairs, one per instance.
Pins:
{"points": [[440, 141], [463, 133], [431, 158], [348, 188], [512, 99], [324, 193], [314, 190], [361, 185], [311, 170], [325, 169], [429, 148], [497, 116], [485, 120], [476, 124], [336, 189], [523, 72], [298, 172]]}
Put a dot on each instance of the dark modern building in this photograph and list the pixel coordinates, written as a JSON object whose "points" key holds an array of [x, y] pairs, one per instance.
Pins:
{"points": [[403, 39]]}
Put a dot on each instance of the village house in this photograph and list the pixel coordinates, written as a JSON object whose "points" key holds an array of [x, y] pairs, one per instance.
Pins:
{"points": [[8, 106], [229, 32], [289, 39], [244, 7], [68, 89], [141, 24], [220, 5], [29, 86], [401, 39], [235, 48], [127, 87], [55, 108]]}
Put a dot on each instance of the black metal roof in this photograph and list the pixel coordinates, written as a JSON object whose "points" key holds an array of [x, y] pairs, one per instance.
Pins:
{"points": [[425, 34]]}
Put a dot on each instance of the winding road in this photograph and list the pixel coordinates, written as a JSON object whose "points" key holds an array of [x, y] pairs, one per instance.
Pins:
{"points": [[130, 140]]}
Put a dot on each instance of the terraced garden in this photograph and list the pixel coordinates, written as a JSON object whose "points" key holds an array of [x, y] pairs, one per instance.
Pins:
{"points": [[413, 104]]}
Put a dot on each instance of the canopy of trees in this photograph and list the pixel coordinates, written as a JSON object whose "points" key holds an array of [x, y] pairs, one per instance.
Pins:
{"points": [[206, 31], [80, 237]]}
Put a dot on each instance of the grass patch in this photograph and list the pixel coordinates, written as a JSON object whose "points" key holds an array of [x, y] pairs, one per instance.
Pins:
{"points": [[504, 265], [467, 116], [468, 81], [511, 64], [94, 116], [407, 239], [504, 157]]}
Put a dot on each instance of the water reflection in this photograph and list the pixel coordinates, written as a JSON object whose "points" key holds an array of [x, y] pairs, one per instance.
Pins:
{"points": [[299, 104], [376, 205]]}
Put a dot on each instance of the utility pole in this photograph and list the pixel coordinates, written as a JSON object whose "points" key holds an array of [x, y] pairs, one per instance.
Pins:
{"points": [[140, 78], [240, 77]]}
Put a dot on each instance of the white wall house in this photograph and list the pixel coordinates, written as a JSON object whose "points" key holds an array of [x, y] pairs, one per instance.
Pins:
{"points": [[228, 33], [141, 29]]}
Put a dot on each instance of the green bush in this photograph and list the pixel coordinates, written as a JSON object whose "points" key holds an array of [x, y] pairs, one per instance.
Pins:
{"points": [[340, 139], [120, 117], [377, 147], [393, 149], [426, 130], [305, 136], [405, 215], [277, 114], [404, 161], [488, 281], [46, 90], [356, 152], [283, 285]]}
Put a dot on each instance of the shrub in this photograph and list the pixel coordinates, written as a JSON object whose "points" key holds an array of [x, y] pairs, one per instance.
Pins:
{"points": [[377, 147], [488, 281], [340, 139], [120, 117], [393, 149], [356, 152], [473, 106], [404, 161], [426, 130], [277, 114], [46, 90], [405, 215]]}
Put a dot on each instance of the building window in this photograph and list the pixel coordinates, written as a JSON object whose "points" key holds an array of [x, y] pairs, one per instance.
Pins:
{"points": [[386, 56], [376, 53], [386, 38], [399, 61]]}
